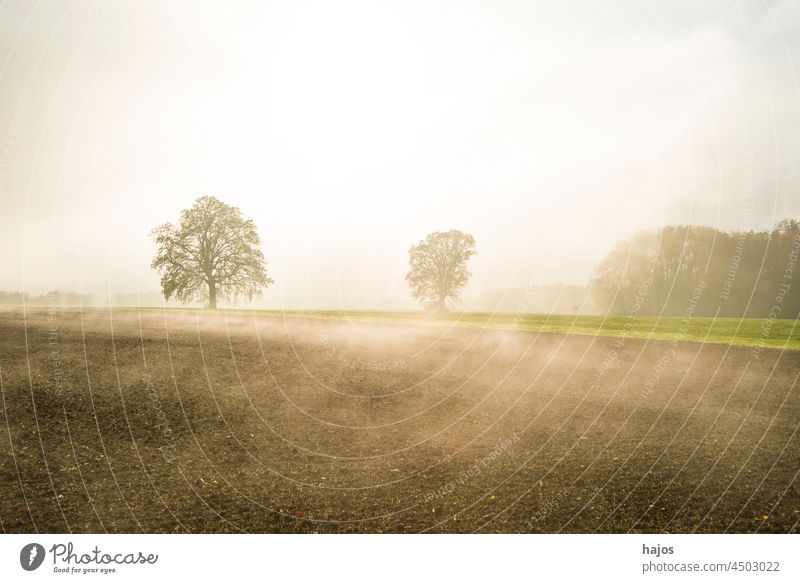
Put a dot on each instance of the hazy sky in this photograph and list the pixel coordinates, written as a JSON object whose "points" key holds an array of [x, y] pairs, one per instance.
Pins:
{"points": [[349, 130]]}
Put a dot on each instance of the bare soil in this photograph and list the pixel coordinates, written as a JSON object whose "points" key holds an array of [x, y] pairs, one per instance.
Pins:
{"points": [[172, 422]]}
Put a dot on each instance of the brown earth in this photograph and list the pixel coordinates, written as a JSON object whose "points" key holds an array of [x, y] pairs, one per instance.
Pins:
{"points": [[176, 421]]}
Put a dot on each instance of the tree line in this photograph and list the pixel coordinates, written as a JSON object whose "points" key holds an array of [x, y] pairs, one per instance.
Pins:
{"points": [[214, 253], [705, 270], [56, 298]]}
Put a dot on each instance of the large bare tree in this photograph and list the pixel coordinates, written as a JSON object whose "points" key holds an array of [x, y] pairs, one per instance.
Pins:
{"points": [[438, 268], [213, 253]]}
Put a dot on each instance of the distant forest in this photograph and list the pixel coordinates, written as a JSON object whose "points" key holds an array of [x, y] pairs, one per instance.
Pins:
{"points": [[677, 271], [701, 271], [65, 299], [57, 298]]}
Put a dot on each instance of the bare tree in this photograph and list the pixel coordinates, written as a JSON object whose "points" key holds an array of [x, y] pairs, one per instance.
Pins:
{"points": [[438, 268], [213, 253]]}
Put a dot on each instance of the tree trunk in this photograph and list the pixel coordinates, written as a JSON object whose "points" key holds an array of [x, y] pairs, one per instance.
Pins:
{"points": [[212, 295]]}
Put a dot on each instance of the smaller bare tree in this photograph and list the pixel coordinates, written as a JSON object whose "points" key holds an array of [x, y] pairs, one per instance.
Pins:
{"points": [[438, 268], [213, 253]]}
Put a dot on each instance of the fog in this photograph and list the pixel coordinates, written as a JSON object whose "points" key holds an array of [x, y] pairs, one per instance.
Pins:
{"points": [[348, 131]]}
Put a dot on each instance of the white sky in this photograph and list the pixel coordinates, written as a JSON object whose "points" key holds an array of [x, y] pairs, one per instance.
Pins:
{"points": [[349, 130]]}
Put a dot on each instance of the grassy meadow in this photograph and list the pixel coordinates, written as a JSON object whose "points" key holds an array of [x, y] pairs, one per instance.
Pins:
{"points": [[756, 332]]}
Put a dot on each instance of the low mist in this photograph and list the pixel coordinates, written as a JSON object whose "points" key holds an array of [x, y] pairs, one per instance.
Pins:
{"points": [[550, 135]]}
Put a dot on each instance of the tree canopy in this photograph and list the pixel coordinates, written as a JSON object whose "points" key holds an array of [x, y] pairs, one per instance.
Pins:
{"points": [[438, 268], [213, 253], [703, 271]]}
